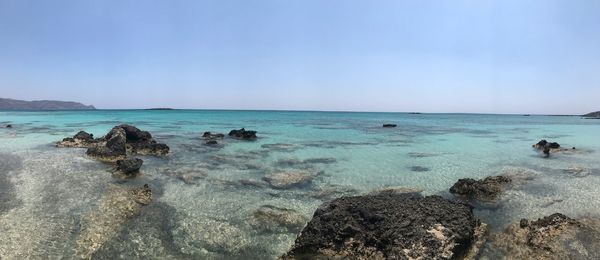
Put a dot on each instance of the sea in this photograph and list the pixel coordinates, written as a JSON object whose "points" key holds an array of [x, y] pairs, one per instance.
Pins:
{"points": [[55, 203]]}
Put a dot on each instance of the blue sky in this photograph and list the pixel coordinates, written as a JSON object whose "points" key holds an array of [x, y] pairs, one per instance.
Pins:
{"points": [[510, 56]]}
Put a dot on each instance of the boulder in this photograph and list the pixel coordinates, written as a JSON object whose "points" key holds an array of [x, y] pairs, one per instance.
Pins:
{"points": [[212, 136], [243, 134], [487, 189], [129, 166], [389, 125], [552, 237], [388, 226], [276, 219], [288, 180], [212, 142], [9, 126], [547, 147]]}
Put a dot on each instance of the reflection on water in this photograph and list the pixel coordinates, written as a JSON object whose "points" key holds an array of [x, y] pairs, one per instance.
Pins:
{"points": [[249, 199]]}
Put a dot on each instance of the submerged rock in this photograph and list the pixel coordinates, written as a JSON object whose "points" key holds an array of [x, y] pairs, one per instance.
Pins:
{"points": [[129, 166], [396, 190], [212, 142], [276, 219], [487, 189], [116, 207], [9, 126], [552, 237], [388, 226], [389, 125], [243, 134], [287, 180], [212, 136]]}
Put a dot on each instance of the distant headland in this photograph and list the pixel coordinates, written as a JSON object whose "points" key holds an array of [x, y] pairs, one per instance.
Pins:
{"points": [[13, 104], [593, 115]]}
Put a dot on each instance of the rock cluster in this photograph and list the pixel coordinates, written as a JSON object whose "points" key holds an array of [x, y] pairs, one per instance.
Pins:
{"points": [[546, 147], [388, 226]]}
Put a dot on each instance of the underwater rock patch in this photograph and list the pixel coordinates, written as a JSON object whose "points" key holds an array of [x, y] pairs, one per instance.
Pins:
{"points": [[212, 136], [276, 219], [289, 179], [116, 207], [552, 237], [419, 169], [388, 227], [396, 190], [487, 189], [389, 125], [129, 166], [8, 164]]}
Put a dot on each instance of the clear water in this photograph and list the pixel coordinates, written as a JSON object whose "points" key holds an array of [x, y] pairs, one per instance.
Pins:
{"points": [[49, 195]]}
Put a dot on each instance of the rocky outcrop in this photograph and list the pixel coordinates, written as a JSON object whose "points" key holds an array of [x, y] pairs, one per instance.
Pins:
{"points": [[552, 237], [547, 147], [487, 189], [287, 180], [388, 226], [123, 140], [80, 140], [389, 125], [243, 134], [129, 166], [276, 219]]}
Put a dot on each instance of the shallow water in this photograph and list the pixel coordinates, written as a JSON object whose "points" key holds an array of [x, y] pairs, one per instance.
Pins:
{"points": [[201, 210]]}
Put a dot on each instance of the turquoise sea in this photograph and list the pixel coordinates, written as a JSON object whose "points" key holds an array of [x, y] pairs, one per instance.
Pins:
{"points": [[202, 210]]}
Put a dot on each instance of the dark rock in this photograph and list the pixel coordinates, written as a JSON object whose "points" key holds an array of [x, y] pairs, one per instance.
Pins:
{"points": [[9, 126], [129, 166], [487, 189], [243, 134], [389, 125], [547, 147], [388, 226], [320, 160], [212, 136], [553, 237], [523, 223], [212, 142], [82, 135]]}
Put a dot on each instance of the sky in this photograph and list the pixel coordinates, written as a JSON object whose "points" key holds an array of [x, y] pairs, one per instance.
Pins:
{"points": [[478, 56]]}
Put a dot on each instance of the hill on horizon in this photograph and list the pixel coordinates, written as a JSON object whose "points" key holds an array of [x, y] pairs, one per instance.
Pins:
{"points": [[14, 104]]}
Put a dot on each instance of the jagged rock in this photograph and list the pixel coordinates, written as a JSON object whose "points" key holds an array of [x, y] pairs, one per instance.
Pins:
{"points": [[212, 136], [389, 125], [287, 180], [243, 134], [388, 226], [129, 166], [547, 147], [113, 149], [487, 189], [276, 219], [553, 237]]}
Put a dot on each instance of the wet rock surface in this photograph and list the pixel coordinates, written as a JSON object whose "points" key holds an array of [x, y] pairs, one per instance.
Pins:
{"points": [[487, 189], [552, 237], [243, 134], [289, 179], [275, 219], [389, 125], [387, 227], [129, 166]]}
